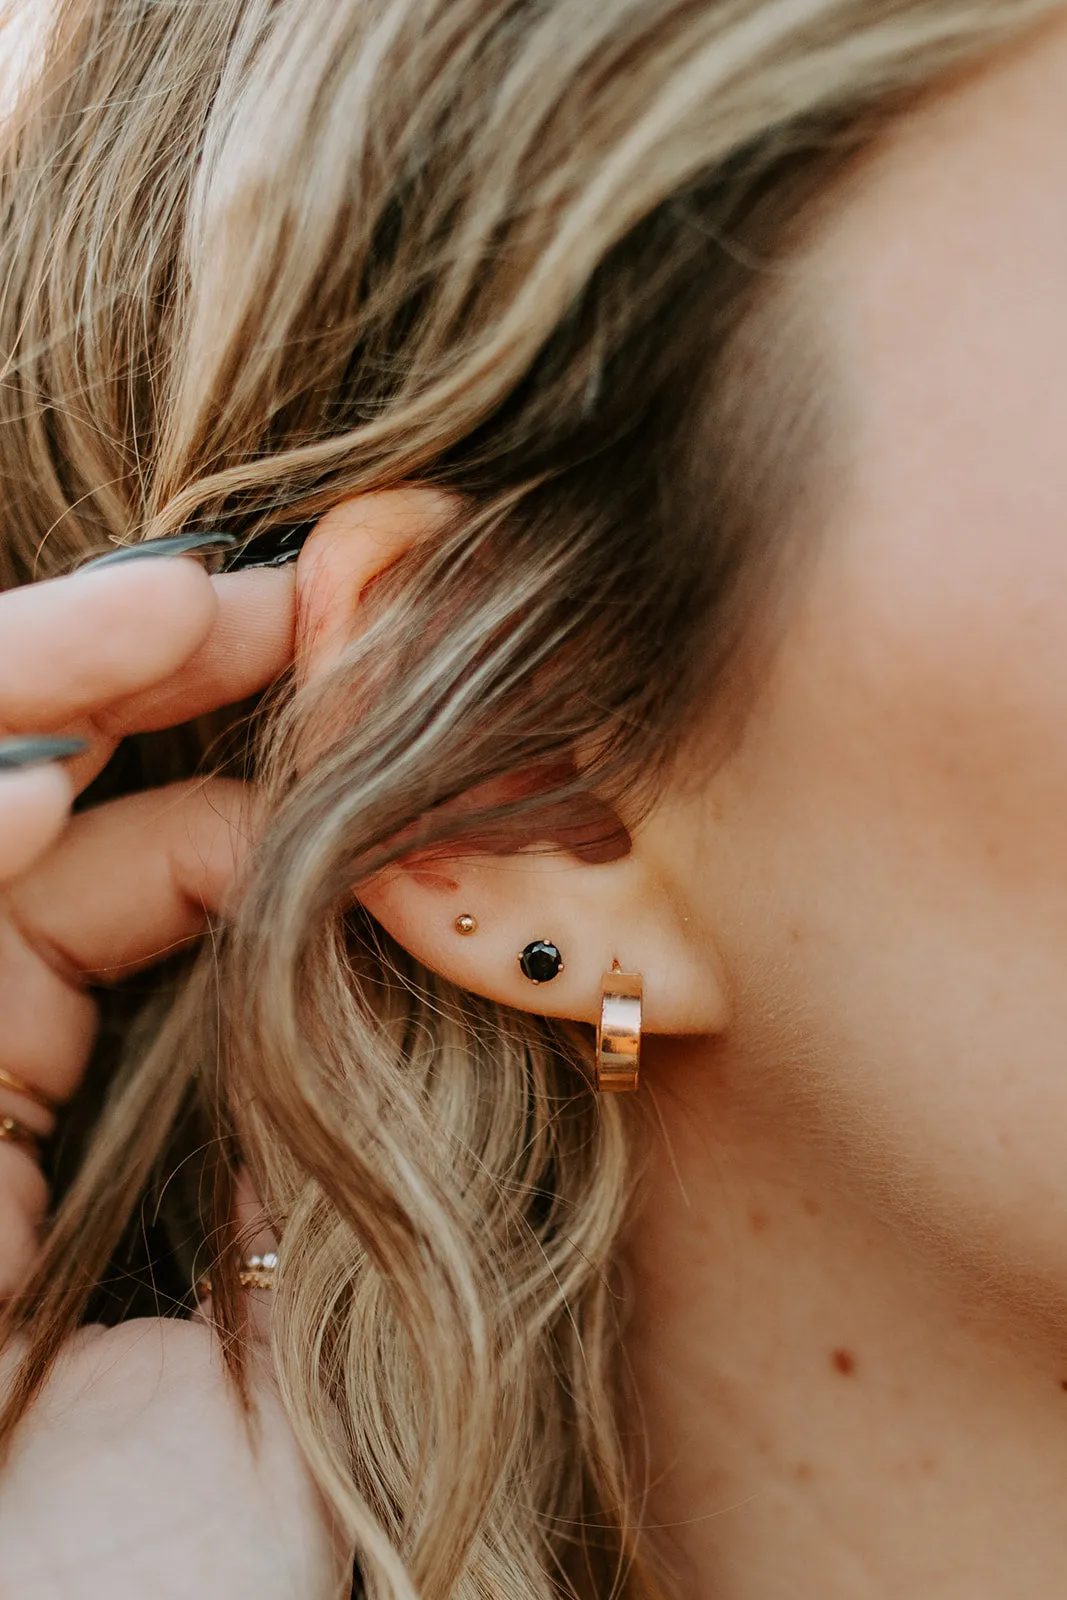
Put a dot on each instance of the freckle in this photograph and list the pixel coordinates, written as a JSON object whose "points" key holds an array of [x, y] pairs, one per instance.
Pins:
{"points": [[758, 1221], [812, 1207], [927, 1464], [1063, 1385], [794, 936], [804, 1471], [844, 1362]]}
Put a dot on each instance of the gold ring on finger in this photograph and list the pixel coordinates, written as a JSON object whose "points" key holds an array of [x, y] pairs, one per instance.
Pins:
{"points": [[8, 1080]]}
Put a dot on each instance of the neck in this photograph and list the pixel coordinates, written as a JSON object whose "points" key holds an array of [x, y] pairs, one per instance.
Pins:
{"points": [[828, 1417]]}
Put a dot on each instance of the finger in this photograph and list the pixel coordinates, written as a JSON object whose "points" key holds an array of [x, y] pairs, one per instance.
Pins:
{"points": [[34, 806], [128, 883], [249, 645], [71, 646], [23, 1201], [48, 1029], [131, 880]]}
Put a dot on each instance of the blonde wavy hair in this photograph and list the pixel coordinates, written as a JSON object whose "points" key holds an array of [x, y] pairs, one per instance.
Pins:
{"points": [[257, 256]]}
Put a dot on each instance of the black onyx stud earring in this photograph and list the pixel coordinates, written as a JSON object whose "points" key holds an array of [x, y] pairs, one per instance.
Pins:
{"points": [[541, 961]]}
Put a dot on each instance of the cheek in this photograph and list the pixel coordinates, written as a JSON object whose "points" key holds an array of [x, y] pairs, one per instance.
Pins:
{"points": [[931, 674], [891, 852]]}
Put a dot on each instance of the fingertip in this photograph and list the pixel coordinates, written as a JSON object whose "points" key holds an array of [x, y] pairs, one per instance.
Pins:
{"points": [[169, 570], [23, 1204], [74, 646], [258, 609], [175, 591]]}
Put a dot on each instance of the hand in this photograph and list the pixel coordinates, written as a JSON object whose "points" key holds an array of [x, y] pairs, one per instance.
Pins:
{"points": [[129, 648], [134, 1472]]}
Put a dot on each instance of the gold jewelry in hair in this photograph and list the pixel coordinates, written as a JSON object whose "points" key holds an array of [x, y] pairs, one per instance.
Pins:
{"points": [[257, 1272], [618, 1034]]}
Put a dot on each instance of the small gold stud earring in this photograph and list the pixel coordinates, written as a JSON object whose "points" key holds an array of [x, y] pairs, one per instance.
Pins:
{"points": [[466, 923]]}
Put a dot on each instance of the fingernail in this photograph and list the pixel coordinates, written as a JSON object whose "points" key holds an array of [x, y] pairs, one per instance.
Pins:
{"points": [[36, 751], [181, 544]]}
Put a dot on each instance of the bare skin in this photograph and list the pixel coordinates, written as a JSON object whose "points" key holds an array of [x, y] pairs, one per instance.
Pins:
{"points": [[850, 1274], [140, 1417], [850, 1279], [852, 1286]]}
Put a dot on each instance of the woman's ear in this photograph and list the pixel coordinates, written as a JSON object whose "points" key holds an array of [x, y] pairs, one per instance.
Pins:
{"points": [[538, 929], [352, 545], [537, 925]]}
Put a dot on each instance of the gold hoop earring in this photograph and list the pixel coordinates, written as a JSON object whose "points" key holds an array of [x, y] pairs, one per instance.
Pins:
{"points": [[618, 1034]]}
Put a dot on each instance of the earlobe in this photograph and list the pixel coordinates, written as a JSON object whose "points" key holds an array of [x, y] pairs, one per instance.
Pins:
{"points": [[538, 930]]}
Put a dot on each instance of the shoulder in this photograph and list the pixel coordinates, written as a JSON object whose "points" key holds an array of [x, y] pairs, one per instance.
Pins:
{"points": [[137, 1474]]}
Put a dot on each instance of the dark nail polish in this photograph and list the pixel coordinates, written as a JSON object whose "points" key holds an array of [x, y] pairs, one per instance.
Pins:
{"points": [[36, 750], [181, 544]]}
